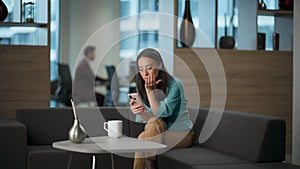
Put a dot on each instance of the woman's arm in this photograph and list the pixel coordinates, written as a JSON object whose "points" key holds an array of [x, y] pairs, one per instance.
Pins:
{"points": [[150, 86], [171, 105], [140, 110]]}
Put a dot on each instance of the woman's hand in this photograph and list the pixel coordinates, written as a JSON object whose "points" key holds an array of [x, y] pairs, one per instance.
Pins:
{"points": [[140, 110], [136, 109], [150, 83]]}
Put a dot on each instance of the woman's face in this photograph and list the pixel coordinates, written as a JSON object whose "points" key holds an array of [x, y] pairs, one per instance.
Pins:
{"points": [[148, 66]]}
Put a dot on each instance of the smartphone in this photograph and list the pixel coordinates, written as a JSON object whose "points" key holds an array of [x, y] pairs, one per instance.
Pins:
{"points": [[136, 99]]}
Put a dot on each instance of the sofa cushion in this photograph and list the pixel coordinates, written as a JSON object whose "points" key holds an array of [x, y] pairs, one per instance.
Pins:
{"points": [[250, 166], [47, 125], [188, 157], [124, 161], [195, 113], [136, 128], [198, 117], [94, 122], [259, 138], [47, 157], [12, 144]]}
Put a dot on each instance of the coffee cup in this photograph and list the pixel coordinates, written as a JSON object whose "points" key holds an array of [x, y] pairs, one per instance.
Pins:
{"points": [[114, 128]]}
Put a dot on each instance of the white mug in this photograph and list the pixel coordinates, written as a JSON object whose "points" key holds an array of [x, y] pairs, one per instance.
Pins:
{"points": [[114, 128]]}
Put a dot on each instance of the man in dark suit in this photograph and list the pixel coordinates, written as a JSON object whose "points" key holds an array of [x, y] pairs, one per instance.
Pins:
{"points": [[84, 81]]}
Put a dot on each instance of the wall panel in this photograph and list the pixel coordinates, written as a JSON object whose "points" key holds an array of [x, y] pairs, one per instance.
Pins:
{"points": [[257, 81]]}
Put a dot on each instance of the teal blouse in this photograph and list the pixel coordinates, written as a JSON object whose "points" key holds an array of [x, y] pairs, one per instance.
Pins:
{"points": [[173, 109]]}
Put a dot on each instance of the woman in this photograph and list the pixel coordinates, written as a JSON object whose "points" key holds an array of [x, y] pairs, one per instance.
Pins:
{"points": [[165, 106]]}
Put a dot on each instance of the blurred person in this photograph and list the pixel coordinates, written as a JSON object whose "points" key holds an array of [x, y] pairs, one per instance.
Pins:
{"points": [[85, 80]]}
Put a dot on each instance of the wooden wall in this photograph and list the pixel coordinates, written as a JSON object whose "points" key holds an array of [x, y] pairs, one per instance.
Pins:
{"points": [[24, 78], [257, 81]]}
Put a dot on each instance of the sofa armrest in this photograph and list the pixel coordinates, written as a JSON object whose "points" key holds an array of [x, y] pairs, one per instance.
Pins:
{"points": [[255, 137], [13, 144]]}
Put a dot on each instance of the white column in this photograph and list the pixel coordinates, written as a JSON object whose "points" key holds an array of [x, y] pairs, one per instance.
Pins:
{"points": [[296, 85]]}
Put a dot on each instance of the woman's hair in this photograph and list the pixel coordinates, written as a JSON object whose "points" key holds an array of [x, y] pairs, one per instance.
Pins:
{"points": [[162, 74]]}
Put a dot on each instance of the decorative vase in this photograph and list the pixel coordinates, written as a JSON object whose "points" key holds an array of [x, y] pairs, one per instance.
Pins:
{"points": [[262, 5], [29, 11], [261, 41], [187, 28], [286, 4], [275, 41], [3, 11], [77, 133], [226, 42]]}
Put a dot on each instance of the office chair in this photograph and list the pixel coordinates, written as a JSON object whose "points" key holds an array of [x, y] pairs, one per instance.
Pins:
{"points": [[65, 84], [54, 92], [113, 92]]}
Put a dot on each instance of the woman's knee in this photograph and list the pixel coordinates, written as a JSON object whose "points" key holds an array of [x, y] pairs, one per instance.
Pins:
{"points": [[155, 123], [141, 135]]}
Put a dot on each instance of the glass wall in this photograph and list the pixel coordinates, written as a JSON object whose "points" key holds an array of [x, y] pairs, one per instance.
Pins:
{"points": [[228, 17], [143, 27], [54, 52], [54, 46]]}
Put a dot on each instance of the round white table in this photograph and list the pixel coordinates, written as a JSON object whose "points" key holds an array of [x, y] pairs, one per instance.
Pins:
{"points": [[104, 145]]}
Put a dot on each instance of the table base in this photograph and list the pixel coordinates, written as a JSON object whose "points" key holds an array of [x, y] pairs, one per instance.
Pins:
{"points": [[93, 161]]}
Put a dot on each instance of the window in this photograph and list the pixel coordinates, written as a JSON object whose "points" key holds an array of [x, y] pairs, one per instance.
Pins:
{"points": [[54, 46], [138, 31], [228, 9], [146, 30], [266, 24]]}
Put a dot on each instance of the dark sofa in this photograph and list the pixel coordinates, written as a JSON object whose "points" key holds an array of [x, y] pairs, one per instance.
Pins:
{"points": [[242, 140]]}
